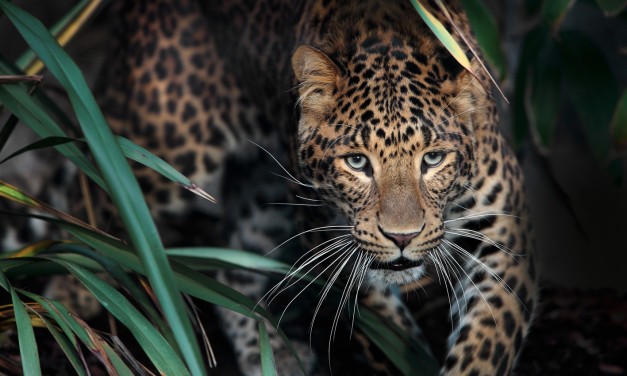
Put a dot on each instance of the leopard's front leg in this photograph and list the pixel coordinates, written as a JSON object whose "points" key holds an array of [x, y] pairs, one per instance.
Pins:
{"points": [[254, 225], [496, 296]]}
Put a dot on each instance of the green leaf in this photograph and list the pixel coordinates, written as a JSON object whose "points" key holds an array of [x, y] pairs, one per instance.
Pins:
{"points": [[241, 259], [8, 264], [25, 334], [62, 318], [151, 341], [487, 33], [130, 150], [66, 28], [40, 144], [124, 189], [543, 102], [143, 156], [14, 194], [116, 362], [188, 280], [591, 86], [122, 278], [612, 7], [7, 130], [66, 346], [71, 326], [442, 34], [17, 99], [268, 368], [532, 43], [554, 11], [618, 128], [404, 352]]}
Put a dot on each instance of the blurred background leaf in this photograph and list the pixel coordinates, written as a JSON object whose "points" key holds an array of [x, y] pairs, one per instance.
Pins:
{"points": [[619, 124], [487, 33], [612, 7]]}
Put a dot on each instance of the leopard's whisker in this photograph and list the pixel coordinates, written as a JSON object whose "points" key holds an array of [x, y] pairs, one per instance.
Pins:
{"points": [[472, 234], [354, 278], [312, 281], [457, 96], [327, 289], [345, 295], [490, 271], [489, 213], [445, 258], [318, 259], [294, 270], [363, 270], [461, 113], [476, 288], [335, 241], [272, 293], [280, 165], [341, 263], [470, 188], [289, 179], [445, 280], [307, 198], [317, 229], [292, 204]]}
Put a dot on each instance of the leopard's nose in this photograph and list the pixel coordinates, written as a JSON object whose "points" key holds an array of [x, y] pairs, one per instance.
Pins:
{"points": [[401, 240]]}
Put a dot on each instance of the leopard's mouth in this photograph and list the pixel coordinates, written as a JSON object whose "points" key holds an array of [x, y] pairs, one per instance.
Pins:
{"points": [[399, 264]]}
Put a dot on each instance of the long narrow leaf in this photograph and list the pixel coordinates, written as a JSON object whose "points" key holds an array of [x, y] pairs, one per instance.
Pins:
{"points": [[130, 150], [461, 34], [58, 317], [190, 282], [40, 144], [243, 259], [268, 367], [554, 11], [7, 130], [25, 108], [612, 7], [530, 46], [137, 153], [16, 195], [25, 334], [543, 95], [442, 34], [42, 100], [151, 341], [122, 278], [619, 124], [71, 23], [124, 189], [405, 353], [581, 57], [66, 346], [72, 325], [488, 36]]}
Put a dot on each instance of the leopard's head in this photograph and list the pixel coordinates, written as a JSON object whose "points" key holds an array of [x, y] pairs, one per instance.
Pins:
{"points": [[386, 136]]}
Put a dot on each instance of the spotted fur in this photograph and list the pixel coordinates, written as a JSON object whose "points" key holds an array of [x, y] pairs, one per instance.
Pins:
{"points": [[371, 115]]}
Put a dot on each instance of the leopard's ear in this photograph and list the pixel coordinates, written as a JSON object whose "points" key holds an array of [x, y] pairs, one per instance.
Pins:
{"points": [[317, 77]]}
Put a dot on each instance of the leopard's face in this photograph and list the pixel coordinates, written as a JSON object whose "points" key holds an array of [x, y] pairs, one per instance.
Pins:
{"points": [[390, 148]]}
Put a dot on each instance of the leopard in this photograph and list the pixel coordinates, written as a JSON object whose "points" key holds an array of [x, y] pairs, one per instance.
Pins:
{"points": [[380, 135]]}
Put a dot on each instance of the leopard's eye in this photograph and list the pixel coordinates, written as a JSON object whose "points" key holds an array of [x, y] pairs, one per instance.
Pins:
{"points": [[357, 161], [433, 158]]}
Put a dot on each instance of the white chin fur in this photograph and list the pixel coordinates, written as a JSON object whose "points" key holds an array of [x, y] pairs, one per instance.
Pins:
{"points": [[383, 278]]}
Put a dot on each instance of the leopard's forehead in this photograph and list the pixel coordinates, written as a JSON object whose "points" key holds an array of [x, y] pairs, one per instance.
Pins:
{"points": [[395, 98]]}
